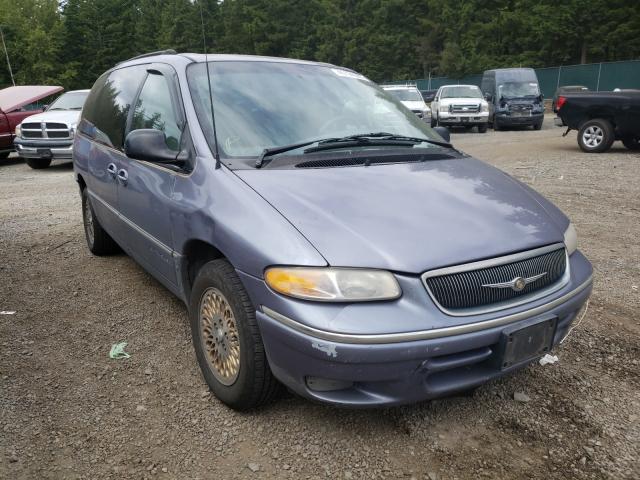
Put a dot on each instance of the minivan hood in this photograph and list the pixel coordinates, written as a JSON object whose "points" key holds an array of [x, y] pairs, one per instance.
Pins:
{"points": [[62, 116], [408, 217]]}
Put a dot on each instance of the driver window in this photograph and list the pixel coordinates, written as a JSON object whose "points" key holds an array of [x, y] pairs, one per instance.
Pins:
{"points": [[154, 110]]}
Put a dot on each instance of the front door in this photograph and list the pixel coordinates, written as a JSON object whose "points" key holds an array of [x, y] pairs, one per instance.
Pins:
{"points": [[145, 188]]}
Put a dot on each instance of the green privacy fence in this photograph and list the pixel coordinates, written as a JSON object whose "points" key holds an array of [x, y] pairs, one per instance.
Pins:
{"points": [[596, 76]]}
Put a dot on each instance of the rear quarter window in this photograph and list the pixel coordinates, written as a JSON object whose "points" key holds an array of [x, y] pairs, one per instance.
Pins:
{"points": [[108, 104]]}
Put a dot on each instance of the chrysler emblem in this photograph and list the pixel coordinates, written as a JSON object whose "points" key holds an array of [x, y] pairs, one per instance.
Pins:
{"points": [[517, 284]]}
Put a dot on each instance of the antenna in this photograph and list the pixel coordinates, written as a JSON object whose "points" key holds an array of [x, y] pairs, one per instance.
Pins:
{"points": [[7, 55], [206, 63]]}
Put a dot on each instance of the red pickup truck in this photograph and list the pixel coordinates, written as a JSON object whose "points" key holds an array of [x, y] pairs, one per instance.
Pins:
{"points": [[12, 111]]}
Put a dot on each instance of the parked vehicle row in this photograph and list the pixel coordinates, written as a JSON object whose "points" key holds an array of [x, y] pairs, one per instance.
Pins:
{"points": [[322, 236]]}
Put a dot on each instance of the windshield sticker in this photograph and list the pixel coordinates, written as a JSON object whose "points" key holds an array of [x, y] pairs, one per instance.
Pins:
{"points": [[345, 73]]}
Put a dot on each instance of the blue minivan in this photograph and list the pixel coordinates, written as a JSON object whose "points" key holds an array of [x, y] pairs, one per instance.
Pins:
{"points": [[321, 235], [514, 98]]}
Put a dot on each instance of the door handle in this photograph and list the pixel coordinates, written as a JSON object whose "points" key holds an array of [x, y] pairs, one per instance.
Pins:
{"points": [[111, 169], [123, 176]]}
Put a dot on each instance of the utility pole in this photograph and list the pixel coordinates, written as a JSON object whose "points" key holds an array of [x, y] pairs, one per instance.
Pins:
{"points": [[6, 53]]}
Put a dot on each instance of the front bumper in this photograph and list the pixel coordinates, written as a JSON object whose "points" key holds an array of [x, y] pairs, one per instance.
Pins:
{"points": [[512, 120], [445, 356], [445, 118], [50, 149]]}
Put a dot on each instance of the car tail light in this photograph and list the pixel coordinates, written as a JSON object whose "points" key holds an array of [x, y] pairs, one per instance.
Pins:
{"points": [[560, 102]]}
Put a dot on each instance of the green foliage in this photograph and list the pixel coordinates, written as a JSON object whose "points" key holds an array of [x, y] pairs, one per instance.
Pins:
{"points": [[71, 42]]}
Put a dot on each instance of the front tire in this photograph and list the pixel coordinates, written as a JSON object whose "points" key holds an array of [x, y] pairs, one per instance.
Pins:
{"points": [[537, 126], [631, 143], [496, 126], [98, 240], [227, 340], [38, 163], [4, 155], [596, 135], [482, 128]]}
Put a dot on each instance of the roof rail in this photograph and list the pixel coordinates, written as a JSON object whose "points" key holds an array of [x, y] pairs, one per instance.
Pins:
{"points": [[150, 54]]}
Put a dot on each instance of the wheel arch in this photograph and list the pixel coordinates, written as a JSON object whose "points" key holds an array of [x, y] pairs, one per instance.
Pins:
{"points": [[195, 254]]}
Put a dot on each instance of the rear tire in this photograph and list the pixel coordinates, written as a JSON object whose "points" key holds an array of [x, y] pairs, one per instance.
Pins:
{"points": [[596, 135], [98, 240], [482, 128], [227, 340], [631, 143], [38, 163]]}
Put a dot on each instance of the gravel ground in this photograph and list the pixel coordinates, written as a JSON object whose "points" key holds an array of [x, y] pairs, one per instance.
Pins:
{"points": [[68, 411]]}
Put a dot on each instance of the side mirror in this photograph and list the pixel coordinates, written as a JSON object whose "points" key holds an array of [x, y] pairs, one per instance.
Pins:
{"points": [[150, 145], [45, 107], [444, 133], [488, 97]]}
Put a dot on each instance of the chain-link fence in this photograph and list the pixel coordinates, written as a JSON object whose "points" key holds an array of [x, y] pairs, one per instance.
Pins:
{"points": [[596, 76]]}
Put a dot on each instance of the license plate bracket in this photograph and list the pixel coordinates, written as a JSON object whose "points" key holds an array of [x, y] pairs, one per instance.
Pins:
{"points": [[44, 152], [520, 344]]}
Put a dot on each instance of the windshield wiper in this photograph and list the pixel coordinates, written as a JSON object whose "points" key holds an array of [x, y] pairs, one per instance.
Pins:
{"points": [[267, 152], [373, 139], [362, 139]]}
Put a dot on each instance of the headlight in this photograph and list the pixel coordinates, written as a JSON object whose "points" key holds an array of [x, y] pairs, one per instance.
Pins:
{"points": [[571, 239], [484, 107], [426, 112], [443, 108], [333, 284], [18, 131], [72, 129]]}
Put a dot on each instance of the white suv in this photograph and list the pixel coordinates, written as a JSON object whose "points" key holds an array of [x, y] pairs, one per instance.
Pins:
{"points": [[460, 105], [411, 98]]}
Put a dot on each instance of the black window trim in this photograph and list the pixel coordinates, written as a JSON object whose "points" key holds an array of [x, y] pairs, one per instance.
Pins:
{"points": [[171, 76]]}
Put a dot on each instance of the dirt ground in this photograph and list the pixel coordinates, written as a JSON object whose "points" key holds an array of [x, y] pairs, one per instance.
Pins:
{"points": [[68, 411]]}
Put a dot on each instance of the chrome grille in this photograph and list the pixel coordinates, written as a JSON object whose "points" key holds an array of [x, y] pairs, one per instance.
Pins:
{"points": [[464, 289], [45, 130], [464, 108], [31, 130]]}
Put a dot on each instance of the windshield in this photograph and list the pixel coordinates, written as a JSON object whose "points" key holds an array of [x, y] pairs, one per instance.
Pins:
{"points": [[260, 105], [461, 92], [69, 101], [406, 95], [518, 89]]}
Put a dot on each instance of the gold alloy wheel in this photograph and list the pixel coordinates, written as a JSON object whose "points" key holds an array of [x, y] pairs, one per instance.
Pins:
{"points": [[219, 336]]}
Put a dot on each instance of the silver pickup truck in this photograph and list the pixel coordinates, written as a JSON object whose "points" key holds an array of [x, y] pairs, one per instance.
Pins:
{"points": [[460, 106], [49, 135]]}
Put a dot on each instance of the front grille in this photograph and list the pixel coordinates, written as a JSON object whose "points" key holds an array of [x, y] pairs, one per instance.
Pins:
{"points": [[51, 130], [520, 108], [464, 108], [463, 289]]}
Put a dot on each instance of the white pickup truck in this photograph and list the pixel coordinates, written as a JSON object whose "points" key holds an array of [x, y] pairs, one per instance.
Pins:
{"points": [[460, 106], [47, 136]]}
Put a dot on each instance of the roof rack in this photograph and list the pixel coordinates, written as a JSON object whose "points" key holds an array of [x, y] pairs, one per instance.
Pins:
{"points": [[150, 54]]}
